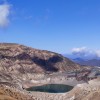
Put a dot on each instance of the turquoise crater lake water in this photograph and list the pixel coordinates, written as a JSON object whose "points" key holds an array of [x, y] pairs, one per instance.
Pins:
{"points": [[51, 88]]}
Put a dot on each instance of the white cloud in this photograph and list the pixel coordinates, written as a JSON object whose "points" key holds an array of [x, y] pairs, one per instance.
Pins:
{"points": [[4, 14], [80, 51], [97, 52], [85, 52]]}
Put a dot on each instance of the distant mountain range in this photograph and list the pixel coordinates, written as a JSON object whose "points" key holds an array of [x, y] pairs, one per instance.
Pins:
{"points": [[89, 60]]}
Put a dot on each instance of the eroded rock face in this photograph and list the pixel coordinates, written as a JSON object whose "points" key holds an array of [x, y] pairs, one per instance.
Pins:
{"points": [[17, 59]]}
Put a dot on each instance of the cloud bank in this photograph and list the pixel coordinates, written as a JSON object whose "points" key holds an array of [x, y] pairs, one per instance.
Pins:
{"points": [[85, 52], [4, 14]]}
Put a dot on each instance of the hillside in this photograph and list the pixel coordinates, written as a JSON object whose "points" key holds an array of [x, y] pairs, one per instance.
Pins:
{"points": [[8, 93], [22, 66], [16, 59], [19, 65]]}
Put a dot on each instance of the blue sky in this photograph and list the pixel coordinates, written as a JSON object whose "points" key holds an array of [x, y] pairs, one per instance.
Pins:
{"points": [[54, 25]]}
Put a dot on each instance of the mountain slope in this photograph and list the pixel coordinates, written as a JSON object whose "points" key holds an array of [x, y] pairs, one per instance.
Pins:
{"points": [[8, 93], [16, 59]]}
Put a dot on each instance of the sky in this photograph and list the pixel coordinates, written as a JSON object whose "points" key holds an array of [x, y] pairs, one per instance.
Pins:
{"points": [[60, 26]]}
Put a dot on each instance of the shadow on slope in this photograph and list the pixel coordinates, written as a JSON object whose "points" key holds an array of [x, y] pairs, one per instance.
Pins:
{"points": [[48, 65]]}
